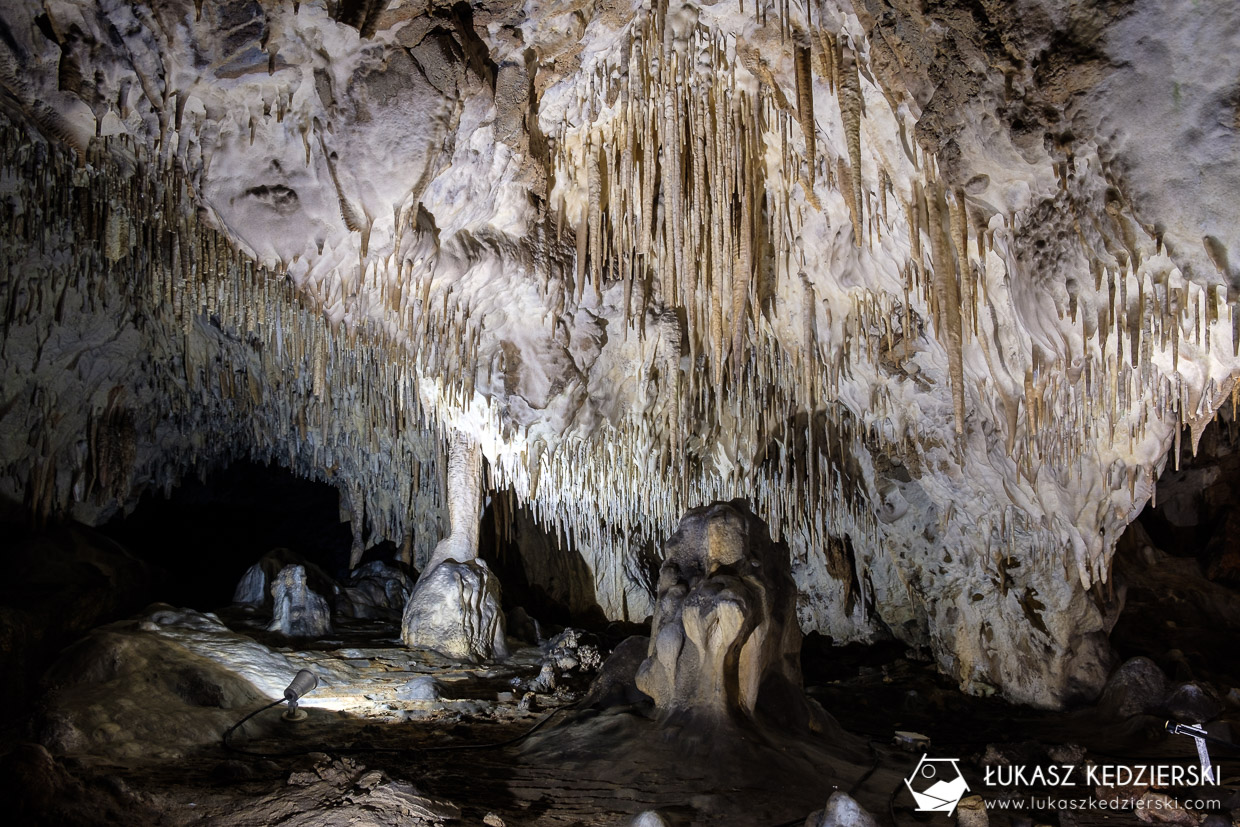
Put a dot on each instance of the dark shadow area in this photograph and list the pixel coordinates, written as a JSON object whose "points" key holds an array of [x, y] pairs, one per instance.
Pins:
{"points": [[208, 533], [545, 577], [60, 582], [1178, 564], [1194, 513]]}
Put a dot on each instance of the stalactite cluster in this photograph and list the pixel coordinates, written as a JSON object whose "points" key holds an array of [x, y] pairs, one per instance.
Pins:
{"points": [[97, 235]]}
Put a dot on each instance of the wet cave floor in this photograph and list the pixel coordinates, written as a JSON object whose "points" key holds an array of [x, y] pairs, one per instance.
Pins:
{"points": [[364, 755]]}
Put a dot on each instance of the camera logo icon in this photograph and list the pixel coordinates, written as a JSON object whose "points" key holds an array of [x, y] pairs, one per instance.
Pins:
{"points": [[937, 785]]}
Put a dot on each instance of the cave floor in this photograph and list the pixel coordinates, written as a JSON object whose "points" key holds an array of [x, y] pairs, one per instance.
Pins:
{"points": [[364, 755]]}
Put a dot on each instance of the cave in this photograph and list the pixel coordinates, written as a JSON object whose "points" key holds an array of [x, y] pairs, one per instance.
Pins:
{"points": [[720, 412]]}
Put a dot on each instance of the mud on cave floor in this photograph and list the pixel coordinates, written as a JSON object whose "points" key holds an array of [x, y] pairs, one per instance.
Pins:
{"points": [[364, 755]]}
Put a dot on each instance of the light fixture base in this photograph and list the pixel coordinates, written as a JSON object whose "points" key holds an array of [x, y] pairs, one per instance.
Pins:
{"points": [[294, 715]]}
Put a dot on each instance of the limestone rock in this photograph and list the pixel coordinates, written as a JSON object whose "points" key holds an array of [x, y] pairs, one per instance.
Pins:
{"points": [[376, 590], [421, 688], [1137, 687], [1193, 703], [971, 812], [725, 630], [297, 610], [616, 682], [523, 627], [841, 811], [455, 610], [254, 589]]}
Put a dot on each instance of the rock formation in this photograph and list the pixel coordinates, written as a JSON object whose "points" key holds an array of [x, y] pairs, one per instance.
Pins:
{"points": [[455, 610], [455, 605], [921, 285], [256, 586], [376, 589], [725, 631], [297, 611]]}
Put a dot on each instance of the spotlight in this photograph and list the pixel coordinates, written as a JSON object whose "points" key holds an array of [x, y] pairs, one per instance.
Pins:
{"points": [[304, 682], [1197, 733]]}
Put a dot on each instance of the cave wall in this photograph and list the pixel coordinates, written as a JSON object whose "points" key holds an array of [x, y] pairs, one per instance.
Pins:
{"points": [[934, 286]]}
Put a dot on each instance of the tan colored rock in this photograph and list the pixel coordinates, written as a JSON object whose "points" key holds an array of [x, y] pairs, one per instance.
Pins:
{"points": [[725, 627]]}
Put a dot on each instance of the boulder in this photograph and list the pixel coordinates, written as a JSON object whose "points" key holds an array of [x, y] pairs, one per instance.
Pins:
{"points": [[616, 683], [1137, 687], [1193, 703], [376, 590]]}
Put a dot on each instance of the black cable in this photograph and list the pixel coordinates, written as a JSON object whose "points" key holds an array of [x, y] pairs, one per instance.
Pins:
{"points": [[238, 725], [860, 782]]}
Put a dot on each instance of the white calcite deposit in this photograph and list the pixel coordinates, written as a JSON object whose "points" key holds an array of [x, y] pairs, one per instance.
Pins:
{"points": [[935, 293]]}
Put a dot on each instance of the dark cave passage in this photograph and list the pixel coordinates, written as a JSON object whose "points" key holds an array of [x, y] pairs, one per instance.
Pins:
{"points": [[205, 536]]}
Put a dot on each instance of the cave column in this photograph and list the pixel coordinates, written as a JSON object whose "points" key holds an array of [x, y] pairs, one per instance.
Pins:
{"points": [[357, 519], [464, 503], [455, 606]]}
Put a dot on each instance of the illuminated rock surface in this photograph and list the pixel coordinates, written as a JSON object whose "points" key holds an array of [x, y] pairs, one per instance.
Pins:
{"points": [[455, 609]]}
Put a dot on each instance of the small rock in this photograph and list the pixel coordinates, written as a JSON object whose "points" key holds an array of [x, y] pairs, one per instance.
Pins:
{"points": [[1066, 753], [971, 812], [492, 820], [841, 811], [1137, 687], [912, 741], [421, 688], [302, 779], [528, 702], [1159, 808], [545, 682], [1194, 703], [370, 780]]}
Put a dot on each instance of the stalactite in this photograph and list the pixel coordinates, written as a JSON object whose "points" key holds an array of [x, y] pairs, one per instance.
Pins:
{"points": [[805, 109], [852, 108]]}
